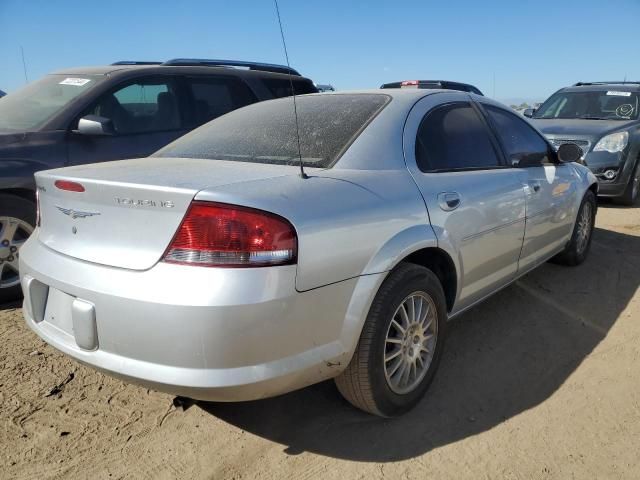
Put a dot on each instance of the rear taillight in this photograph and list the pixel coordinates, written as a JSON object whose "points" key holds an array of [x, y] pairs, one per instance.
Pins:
{"points": [[220, 235], [409, 83]]}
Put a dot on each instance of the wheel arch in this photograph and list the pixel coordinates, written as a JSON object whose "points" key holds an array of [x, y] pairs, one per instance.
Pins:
{"points": [[441, 264], [25, 193]]}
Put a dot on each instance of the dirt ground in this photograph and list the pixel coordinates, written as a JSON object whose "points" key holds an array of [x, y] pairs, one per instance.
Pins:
{"points": [[541, 381]]}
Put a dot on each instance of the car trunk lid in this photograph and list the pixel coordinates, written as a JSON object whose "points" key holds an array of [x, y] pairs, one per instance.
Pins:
{"points": [[130, 210]]}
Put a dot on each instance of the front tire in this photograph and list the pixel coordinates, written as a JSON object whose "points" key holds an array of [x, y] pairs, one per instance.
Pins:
{"points": [[400, 345], [578, 247], [17, 220], [632, 192]]}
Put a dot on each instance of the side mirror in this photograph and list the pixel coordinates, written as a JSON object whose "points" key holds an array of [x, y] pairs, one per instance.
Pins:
{"points": [[95, 125], [528, 112], [570, 152]]}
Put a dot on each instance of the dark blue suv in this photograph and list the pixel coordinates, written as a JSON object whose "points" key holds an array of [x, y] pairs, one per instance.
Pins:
{"points": [[125, 110]]}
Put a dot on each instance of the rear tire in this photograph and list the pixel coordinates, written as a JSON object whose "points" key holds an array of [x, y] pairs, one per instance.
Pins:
{"points": [[578, 247], [374, 380], [632, 192], [17, 220]]}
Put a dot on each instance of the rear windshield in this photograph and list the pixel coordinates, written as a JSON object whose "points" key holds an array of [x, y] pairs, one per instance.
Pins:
{"points": [[266, 132]]}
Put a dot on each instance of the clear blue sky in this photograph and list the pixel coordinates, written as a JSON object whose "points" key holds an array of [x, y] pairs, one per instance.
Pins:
{"points": [[533, 47]]}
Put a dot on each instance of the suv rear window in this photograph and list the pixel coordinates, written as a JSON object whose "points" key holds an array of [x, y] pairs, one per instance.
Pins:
{"points": [[266, 132]]}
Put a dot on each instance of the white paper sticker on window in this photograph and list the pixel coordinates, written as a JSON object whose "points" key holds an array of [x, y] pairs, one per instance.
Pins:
{"points": [[619, 94], [78, 82]]}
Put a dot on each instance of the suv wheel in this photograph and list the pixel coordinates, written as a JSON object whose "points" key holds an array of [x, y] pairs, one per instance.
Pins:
{"points": [[578, 247], [632, 191], [17, 218], [400, 345]]}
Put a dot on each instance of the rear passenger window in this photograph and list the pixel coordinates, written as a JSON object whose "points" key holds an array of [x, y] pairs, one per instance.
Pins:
{"points": [[214, 97], [454, 137], [523, 145], [281, 87]]}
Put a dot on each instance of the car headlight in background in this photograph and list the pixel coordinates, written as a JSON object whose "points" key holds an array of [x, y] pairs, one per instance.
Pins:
{"points": [[612, 143]]}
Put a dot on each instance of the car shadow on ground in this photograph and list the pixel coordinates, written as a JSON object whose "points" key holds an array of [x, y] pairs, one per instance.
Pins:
{"points": [[604, 202], [503, 357]]}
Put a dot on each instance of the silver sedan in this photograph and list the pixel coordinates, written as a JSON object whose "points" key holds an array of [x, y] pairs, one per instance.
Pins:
{"points": [[216, 270]]}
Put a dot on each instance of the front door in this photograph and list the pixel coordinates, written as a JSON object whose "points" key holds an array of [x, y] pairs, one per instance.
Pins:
{"points": [[549, 186], [476, 204]]}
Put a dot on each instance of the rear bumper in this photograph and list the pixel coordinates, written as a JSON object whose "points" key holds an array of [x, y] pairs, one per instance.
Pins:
{"points": [[205, 333]]}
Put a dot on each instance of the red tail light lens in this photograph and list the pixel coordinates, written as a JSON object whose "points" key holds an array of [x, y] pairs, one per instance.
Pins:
{"points": [[409, 83], [219, 235], [69, 186]]}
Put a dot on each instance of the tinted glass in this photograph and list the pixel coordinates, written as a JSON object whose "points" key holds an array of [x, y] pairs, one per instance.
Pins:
{"points": [[522, 144], [33, 105], [609, 104], [214, 97], [454, 137], [281, 87], [141, 107], [265, 132]]}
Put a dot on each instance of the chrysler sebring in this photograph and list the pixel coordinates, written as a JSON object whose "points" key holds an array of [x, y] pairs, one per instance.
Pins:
{"points": [[216, 270]]}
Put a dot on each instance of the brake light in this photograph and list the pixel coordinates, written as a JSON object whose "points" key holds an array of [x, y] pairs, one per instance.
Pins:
{"points": [[408, 83], [69, 186], [220, 235]]}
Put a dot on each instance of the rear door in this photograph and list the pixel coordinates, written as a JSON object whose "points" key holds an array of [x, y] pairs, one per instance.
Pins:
{"points": [[147, 114], [476, 204], [550, 186]]}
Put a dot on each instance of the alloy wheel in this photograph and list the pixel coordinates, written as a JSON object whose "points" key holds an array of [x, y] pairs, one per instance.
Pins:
{"points": [[584, 227], [410, 342], [13, 233]]}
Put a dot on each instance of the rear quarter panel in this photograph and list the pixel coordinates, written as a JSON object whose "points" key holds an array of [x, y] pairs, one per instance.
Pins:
{"points": [[349, 222]]}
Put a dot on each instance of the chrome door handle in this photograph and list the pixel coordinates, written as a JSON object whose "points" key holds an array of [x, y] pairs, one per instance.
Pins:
{"points": [[535, 185], [449, 201]]}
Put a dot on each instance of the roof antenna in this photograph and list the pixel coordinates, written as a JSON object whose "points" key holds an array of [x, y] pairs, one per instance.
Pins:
{"points": [[293, 93], [24, 66]]}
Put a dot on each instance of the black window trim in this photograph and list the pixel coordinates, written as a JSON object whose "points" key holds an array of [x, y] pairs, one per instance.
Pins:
{"points": [[551, 152], [502, 164], [177, 81]]}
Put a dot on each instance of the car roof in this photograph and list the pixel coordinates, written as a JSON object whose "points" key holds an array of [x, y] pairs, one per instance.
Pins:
{"points": [[158, 69], [405, 98], [603, 86], [408, 94]]}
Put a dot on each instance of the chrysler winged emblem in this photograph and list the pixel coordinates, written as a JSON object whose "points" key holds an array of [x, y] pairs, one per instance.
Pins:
{"points": [[76, 213]]}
